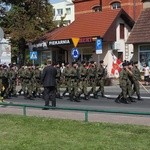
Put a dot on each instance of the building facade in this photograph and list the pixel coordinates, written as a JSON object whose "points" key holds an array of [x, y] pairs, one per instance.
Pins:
{"points": [[109, 20], [63, 10], [140, 36]]}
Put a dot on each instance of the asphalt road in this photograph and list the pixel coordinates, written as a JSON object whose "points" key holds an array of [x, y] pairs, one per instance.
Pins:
{"points": [[107, 103]]}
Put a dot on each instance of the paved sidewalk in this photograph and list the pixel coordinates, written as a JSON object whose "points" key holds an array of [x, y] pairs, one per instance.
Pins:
{"points": [[75, 115]]}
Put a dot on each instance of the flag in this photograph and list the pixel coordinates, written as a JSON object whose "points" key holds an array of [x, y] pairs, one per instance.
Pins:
{"points": [[116, 66]]}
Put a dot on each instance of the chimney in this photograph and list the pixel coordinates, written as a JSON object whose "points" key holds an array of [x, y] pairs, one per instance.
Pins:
{"points": [[146, 4]]}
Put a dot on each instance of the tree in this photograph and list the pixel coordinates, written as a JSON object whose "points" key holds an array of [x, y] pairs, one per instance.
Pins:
{"points": [[26, 21]]}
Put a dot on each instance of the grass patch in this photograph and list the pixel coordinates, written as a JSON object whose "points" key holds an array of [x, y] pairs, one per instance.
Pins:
{"points": [[33, 133]]}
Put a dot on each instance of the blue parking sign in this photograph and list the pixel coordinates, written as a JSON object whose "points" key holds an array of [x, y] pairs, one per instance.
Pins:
{"points": [[33, 55], [99, 46]]}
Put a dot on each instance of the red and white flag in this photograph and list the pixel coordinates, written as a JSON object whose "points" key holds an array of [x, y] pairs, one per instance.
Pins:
{"points": [[116, 66]]}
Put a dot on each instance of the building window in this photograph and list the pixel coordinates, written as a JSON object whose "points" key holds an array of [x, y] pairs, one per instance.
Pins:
{"points": [[68, 11], [59, 12], [116, 5], [144, 55], [96, 8], [121, 31]]}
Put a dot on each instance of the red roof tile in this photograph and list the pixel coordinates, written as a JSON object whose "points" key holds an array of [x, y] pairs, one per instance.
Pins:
{"points": [[141, 30], [87, 25]]}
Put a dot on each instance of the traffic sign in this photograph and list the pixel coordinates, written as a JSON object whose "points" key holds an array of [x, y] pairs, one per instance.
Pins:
{"points": [[75, 53], [33, 55], [99, 46]]}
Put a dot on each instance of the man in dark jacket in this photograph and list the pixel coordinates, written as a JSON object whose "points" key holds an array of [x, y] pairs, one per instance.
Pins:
{"points": [[49, 84]]}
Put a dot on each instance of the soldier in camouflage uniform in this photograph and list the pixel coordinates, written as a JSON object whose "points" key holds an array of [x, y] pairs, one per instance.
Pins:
{"points": [[123, 81], [83, 84], [66, 77], [20, 77], [101, 74], [12, 81], [28, 79], [6, 82], [92, 73], [136, 79], [130, 81], [2, 88], [37, 81], [58, 81], [73, 90]]}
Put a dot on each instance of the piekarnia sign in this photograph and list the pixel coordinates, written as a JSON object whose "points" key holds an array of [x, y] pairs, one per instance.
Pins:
{"points": [[59, 42]]}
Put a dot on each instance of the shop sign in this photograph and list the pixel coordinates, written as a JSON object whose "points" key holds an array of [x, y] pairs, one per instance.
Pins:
{"points": [[85, 40], [58, 42], [42, 44]]}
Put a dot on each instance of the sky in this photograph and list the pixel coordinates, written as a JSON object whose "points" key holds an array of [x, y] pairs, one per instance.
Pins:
{"points": [[55, 1]]}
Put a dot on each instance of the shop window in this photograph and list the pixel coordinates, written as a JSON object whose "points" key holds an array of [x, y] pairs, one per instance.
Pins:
{"points": [[144, 55], [121, 31], [115, 5]]}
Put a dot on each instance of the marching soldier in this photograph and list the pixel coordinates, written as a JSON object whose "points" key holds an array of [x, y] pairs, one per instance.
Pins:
{"points": [[66, 76], [130, 81], [83, 84], [92, 72], [37, 80], [136, 79], [73, 92], [101, 74], [123, 81], [28, 74], [58, 81], [12, 81], [2, 87]]}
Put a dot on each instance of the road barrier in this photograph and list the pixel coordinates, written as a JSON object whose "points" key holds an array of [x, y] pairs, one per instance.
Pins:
{"points": [[85, 110]]}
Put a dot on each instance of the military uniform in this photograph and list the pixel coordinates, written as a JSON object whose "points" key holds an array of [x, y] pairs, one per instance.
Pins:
{"points": [[83, 81], [92, 72], [37, 82], [123, 81], [136, 79], [58, 81], [12, 82], [101, 74], [28, 74]]}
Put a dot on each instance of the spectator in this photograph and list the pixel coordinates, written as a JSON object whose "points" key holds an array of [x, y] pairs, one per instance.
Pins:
{"points": [[49, 84], [146, 70]]}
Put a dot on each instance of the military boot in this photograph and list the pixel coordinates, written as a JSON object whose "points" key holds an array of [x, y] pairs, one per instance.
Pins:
{"points": [[131, 99], [139, 97], [53, 103], [117, 100], [95, 95]]}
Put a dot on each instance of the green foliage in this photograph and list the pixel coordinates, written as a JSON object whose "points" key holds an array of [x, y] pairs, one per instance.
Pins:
{"points": [[27, 19], [33, 133]]}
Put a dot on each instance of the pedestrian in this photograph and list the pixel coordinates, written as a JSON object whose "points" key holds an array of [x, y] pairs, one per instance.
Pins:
{"points": [[48, 79], [146, 70]]}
